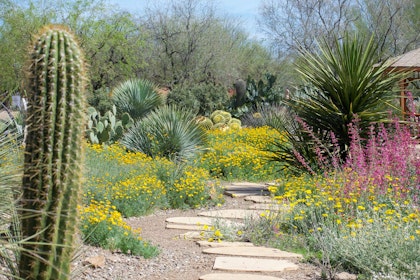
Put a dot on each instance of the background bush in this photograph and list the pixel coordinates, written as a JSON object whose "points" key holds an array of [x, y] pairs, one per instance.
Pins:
{"points": [[201, 99]]}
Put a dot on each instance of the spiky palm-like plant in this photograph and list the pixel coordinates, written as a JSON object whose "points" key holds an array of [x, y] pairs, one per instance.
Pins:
{"points": [[167, 132], [53, 155], [136, 97], [345, 83]]}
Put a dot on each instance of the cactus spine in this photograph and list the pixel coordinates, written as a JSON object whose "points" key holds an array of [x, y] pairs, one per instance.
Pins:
{"points": [[53, 155]]}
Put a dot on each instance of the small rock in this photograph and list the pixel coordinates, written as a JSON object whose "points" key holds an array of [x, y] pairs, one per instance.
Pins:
{"points": [[345, 276], [96, 261]]}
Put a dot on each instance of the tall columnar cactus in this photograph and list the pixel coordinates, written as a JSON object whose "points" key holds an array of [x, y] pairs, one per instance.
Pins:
{"points": [[53, 156]]}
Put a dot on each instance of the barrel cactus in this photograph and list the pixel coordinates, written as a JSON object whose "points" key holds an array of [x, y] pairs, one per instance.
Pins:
{"points": [[53, 155], [235, 124], [220, 116], [204, 122], [219, 119]]}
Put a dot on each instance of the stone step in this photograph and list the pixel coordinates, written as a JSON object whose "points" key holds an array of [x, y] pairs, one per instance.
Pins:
{"points": [[267, 206], [243, 189], [232, 213], [249, 185], [204, 243], [259, 199], [253, 264], [202, 221], [237, 276], [253, 251], [191, 235], [186, 227]]}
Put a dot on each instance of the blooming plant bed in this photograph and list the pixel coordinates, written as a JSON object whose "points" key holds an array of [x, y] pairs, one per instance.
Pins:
{"points": [[125, 184], [363, 215]]}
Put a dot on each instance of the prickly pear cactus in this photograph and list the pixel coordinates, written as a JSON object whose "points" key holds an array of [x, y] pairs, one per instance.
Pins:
{"points": [[53, 155], [106, 129]]}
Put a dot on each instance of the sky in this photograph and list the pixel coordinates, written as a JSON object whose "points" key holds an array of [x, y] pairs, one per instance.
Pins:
{"points": [[245, 10]]}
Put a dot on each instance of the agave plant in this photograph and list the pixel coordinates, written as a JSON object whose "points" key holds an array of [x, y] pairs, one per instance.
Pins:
{"points": [[166, 132], [136, 97], [346, 82]]}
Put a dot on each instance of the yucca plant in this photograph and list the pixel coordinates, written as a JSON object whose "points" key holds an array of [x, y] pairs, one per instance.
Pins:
{"points": [[166, 132], [345, 82], [136, 97]]}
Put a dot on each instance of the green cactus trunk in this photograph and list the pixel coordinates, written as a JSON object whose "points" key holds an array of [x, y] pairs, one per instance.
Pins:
{"points": [[53, 155]]}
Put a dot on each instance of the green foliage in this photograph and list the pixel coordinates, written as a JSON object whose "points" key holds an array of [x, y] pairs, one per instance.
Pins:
{"points": [[297, 153], [136, 97], [257, 94], [106, 129], [53, 155], [101, 100], [202, 99], [187, 187], [166, 132], [345, 83], [110, 234]]}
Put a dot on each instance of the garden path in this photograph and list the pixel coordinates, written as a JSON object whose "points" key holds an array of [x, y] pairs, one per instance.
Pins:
{"points": [[237, 260], [184, 255]]}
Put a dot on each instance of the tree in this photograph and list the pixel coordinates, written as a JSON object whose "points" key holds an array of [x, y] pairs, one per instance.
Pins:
{"points": [[298, 23], [292, 24], [191, 44], [16, 29], [394, 24], [109, 37]]}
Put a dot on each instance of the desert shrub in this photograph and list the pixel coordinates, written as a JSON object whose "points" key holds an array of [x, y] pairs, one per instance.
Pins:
{"points": [[201, 99], [101, 100], [240, 154], [136, 184], [168, 132], [102, 225]]}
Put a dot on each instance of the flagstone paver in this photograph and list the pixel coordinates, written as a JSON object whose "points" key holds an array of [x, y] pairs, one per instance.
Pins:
{"points": [[244, 189], [232, 213], [259, 199], [234, 185], [237, 276], [266, 206], [252, 264], [187, 227], [204, 243], [201, 221], [191, 235], [255, 251]]}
